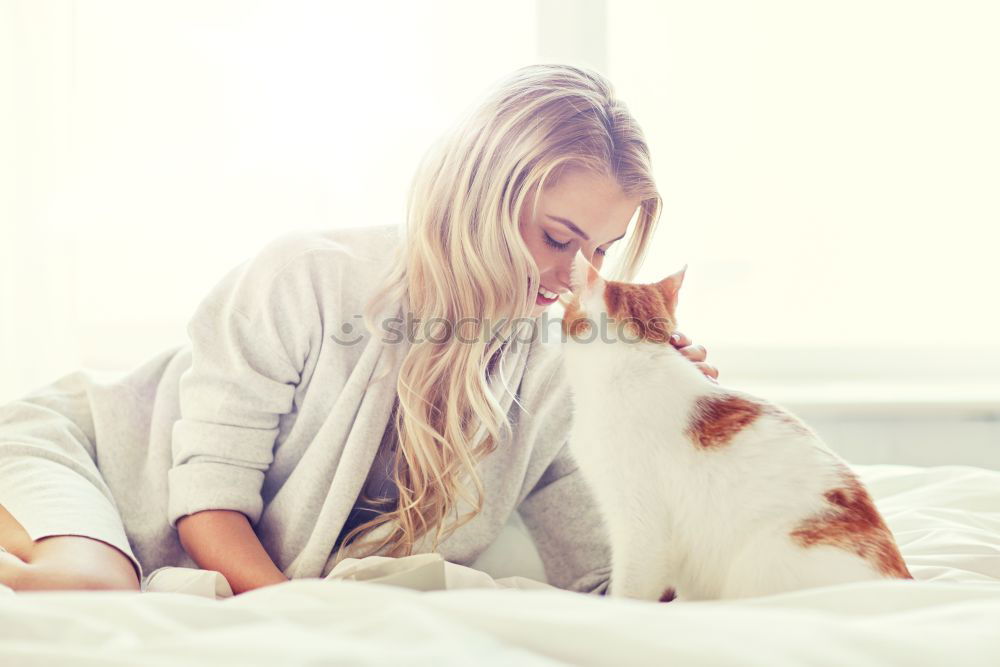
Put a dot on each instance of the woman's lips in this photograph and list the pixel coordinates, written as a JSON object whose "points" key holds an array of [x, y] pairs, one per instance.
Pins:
{"points": [[542, 301]]}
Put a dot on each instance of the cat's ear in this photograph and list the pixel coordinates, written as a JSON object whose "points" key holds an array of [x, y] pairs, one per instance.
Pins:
{"points": [[672, 284]]}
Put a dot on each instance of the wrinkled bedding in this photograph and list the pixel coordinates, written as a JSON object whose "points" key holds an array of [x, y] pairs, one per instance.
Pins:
{"points": [[423, 610]]}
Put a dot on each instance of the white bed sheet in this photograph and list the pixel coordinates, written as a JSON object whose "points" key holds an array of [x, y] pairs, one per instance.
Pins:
{"points": [[946, 519]]}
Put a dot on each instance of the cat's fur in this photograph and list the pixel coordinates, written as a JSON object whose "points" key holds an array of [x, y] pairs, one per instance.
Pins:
{"points": [[707, 492]]}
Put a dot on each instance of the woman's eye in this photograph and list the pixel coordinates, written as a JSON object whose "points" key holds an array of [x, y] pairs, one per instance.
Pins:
{"points": [[555, 244], [562, 246]]}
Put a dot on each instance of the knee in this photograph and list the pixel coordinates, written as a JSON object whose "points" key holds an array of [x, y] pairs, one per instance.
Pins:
{"points": [[68, 563], [41, 575], [105, 583], [111, 580], [80, 562]]}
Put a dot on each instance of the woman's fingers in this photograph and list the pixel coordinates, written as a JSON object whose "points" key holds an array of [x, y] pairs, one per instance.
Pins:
{"points": [[679, 340], [710, 371], [694, 352]]}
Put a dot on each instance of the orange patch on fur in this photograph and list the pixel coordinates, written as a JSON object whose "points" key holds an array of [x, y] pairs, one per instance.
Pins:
{"points": [[853, 523], [574, 322], [643, 307], [716, 419]]}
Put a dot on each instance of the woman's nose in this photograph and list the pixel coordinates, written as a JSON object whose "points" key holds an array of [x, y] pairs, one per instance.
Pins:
{"points": [[562, 278]]}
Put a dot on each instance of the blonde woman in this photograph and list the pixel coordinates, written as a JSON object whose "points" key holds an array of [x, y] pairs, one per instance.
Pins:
{"points": [[369, 390]]}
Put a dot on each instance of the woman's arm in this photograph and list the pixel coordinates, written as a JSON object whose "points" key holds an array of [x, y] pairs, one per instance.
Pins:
{"points": [[567, 528], [251, 338], [224, 541]]}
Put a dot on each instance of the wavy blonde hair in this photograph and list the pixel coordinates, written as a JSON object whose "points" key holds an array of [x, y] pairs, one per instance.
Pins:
{"points": [[463, 257]]}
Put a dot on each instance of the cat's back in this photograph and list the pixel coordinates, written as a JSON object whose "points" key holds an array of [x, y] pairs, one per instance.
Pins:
{"points": [[754, 453]]}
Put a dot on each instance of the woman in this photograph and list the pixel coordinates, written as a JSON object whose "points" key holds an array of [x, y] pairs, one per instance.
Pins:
{"points": [[333, 403]]}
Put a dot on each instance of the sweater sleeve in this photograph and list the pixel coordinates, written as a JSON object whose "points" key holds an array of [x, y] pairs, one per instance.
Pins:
{"points": [[250, 339], [569, 533]]}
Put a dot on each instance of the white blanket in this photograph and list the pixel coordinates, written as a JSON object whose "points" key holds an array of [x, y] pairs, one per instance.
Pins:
{"points": [[422, 610]]}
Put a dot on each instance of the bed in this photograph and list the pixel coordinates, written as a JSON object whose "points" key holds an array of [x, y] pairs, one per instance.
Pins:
{"points": [[422, 611]]}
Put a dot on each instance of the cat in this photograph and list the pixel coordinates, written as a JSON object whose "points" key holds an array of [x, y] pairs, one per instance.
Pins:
{"points": [[707, 492]]}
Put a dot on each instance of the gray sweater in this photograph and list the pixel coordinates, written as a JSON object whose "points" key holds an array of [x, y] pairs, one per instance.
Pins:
{"points": [[269, 410]]}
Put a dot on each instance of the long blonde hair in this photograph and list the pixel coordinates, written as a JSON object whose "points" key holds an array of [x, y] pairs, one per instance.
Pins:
{"points": [[463, 257]]}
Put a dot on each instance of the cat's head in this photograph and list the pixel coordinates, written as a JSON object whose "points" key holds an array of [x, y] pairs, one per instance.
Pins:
{"points": [[619, 310]]}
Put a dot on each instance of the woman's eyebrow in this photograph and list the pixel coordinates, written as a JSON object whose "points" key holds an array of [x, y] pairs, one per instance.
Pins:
{"points": [[576, 230]]}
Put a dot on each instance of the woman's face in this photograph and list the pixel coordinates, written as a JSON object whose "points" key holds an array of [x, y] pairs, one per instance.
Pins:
{"points": [[583, 210]]}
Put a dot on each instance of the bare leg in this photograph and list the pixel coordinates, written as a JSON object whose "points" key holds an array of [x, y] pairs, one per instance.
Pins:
{"points": [[60, 562]]}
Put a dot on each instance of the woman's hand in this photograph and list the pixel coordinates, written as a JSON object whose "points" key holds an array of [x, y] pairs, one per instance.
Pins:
{"points": [[696, 353]]}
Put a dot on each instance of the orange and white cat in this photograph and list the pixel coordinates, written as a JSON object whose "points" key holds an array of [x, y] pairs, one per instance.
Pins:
{"points": [[707, 492]]}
